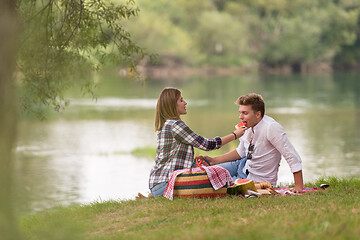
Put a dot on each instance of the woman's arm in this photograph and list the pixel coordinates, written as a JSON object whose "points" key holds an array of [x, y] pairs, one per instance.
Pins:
{"points": [[182, 133]]}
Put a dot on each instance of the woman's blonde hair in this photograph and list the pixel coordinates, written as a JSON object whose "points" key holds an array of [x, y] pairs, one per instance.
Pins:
{"points": [[166, 107]]}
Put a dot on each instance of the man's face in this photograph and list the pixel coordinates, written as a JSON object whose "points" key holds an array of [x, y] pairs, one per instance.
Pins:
{"points": [[249, 116]]}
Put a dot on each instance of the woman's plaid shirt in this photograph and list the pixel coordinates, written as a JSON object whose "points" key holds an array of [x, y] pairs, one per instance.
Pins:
{"points": [[176, 142]]}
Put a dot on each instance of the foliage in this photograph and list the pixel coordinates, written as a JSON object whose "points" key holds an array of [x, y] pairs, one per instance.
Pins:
{"points": [[330, 214], [63, 41], [296, 32], [162, 36], [220, 36], [229, 32]]}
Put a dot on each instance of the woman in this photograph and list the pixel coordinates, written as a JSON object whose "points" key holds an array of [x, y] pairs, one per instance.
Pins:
{"points": [[176, 141]]}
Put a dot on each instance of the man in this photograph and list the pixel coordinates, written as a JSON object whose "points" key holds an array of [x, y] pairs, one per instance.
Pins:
{"points": [[261, 147]]}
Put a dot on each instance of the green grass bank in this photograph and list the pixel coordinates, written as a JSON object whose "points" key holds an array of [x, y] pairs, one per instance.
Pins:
{"points": [[330, 214]]}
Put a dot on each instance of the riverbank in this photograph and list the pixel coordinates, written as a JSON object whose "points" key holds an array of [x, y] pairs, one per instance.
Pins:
{"points": [[172, 69], [330, 214]]}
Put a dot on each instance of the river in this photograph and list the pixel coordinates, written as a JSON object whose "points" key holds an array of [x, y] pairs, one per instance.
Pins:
{"points": [[86, 153]]}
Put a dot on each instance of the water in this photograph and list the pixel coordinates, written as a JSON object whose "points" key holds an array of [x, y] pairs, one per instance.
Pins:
{"points": [[85, 154]]}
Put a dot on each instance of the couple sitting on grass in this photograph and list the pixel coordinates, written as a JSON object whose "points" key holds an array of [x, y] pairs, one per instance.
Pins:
{"points": [[262, 143]]}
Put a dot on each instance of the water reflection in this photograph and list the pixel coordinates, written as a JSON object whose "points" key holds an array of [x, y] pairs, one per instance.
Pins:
{"points": [[109, 103], [85, 154], [66, 162]]}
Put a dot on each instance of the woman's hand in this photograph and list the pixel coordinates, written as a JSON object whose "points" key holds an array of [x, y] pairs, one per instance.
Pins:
{"points": [[240, 131]]}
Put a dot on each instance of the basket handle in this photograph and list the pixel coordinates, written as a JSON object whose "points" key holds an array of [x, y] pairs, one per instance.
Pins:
{"points": [[199, 162]]}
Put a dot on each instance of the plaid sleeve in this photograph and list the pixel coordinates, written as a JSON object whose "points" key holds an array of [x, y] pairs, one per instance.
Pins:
{"points": [[185, 135]]}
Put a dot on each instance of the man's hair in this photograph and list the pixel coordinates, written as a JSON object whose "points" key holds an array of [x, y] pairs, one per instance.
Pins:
{"points": [[254, 100], [166, 107]]}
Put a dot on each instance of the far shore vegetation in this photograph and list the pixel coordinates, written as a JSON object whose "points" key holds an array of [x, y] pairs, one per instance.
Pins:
{"points": [[236, 36]]}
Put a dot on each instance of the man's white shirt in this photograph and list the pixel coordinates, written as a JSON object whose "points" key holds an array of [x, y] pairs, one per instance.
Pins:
{"points": [[270, 143]]}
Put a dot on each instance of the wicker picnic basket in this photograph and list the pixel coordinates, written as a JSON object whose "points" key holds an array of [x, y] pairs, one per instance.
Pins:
{"points": [[196, 184]]}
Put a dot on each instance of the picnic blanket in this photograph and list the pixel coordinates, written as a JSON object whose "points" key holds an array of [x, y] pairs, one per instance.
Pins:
{"points": [[218, 176], [287, 191], [283, 191]]}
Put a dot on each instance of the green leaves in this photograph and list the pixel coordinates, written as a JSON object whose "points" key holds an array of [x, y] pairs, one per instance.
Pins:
{"points": [[64, 41], [227, 32]]}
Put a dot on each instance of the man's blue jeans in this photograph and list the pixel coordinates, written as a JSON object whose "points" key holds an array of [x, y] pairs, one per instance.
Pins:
{"points": [[159, 189], [235, 168]]}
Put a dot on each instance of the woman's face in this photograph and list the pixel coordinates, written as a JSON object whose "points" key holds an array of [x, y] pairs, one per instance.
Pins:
{"points": [[181, 106]]}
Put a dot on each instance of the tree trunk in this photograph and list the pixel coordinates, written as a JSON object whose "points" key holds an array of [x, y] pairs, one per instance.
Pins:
{"points": [[8, 46]]}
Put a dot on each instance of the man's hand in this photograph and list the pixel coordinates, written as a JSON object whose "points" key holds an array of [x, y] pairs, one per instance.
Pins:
{"points": [[297, 189], [201, 157], [211, 160], [298, 182]]}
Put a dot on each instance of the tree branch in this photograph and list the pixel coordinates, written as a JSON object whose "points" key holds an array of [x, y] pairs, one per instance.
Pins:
{"points": [[76, 27], [40, 11]]}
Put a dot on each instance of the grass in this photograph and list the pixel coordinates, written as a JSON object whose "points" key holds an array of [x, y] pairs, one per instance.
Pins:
{"points": [[150, 151], [330, 214], [147, 151]]}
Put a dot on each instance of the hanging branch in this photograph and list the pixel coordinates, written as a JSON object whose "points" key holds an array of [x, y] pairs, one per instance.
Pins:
{"points": [[56, 35]]}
